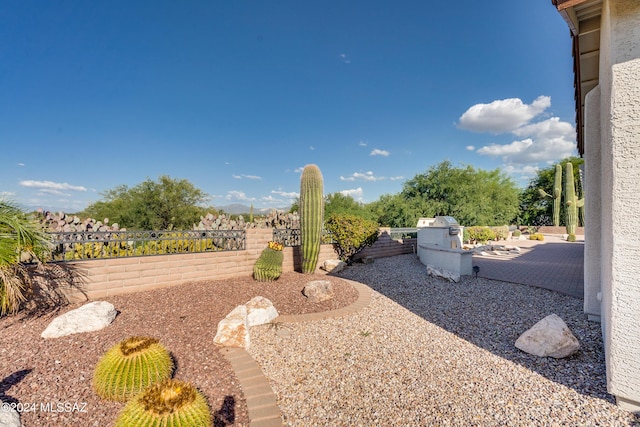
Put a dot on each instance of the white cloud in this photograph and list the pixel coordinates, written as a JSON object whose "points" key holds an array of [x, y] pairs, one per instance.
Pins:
{"points": [[243, 176], [545, 141], [238, 195], [367, 176], [299, 170], [50, 185], [502, 115], [362, 144], [20, 164], [524, 171], [396, 178], [356, 193], [312, 148], [377, 152], [344, 58], [503, 150], [549, 129], [7, 194], [54, 192], [289, 195]]}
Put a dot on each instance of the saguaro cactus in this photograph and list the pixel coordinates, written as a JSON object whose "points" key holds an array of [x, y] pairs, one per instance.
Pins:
{"points": [[556, 196], [311, 216], [572, 203]]}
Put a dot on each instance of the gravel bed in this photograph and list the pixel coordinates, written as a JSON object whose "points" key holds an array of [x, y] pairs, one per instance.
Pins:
{"points": [[41, 373], [429, 352]]}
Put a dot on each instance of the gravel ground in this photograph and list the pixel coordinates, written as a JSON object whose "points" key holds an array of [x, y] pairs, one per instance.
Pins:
{"points": [[39, 374], [429, 352]]}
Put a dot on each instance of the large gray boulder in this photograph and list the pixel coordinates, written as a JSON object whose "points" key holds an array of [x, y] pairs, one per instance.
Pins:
{"points": [[441, 272], [318, 290], [334, 265], [90, 317], [260, 311], [233, 330], [550, 337]]}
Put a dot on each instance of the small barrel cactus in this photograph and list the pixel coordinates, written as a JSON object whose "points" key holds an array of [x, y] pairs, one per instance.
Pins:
{"points": [[268, 266], [130, 366], [169, 403]]}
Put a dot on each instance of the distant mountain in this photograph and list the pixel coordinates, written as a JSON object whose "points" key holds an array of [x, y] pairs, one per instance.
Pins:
{"points": [[237, 209]]}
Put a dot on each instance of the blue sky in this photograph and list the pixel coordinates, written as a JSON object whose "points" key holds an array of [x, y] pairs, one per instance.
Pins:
{"points": [[237, 96]]}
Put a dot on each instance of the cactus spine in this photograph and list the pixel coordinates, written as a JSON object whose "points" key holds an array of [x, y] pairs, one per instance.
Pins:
{"points": [[556, 196], [572, 203], [170, 403], [311, 216], [268, 267], [131, 366]]}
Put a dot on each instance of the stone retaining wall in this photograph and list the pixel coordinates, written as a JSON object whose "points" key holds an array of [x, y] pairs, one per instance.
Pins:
{"points": [[104, 277]]}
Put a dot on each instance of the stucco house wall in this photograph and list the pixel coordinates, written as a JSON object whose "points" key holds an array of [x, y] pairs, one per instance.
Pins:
{"points": [[620, 197], [593, 205]]}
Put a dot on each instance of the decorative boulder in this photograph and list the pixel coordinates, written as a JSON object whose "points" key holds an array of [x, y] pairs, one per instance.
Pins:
{"points": [[90, 317], [550, 337], [445, 274], [260, 311], [334, 265], [318, 290], [9, 417], [233, 330]]}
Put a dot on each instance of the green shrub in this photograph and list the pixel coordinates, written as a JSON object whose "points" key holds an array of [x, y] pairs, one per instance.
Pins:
{"points": [[501, 232], [170, 403], [480, 234], [130, 366], [351, 234], [517, 233], [536, 236]]}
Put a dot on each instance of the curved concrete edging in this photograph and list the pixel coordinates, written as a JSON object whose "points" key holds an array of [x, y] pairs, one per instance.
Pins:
{"points": [[261, 400]]}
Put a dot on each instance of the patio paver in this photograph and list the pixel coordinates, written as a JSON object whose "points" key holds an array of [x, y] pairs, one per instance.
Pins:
{"points": [[551, 264]]}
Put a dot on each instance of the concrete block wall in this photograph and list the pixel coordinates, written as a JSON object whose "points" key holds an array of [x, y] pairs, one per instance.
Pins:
{"points": [[99, 278], [386, 246]]}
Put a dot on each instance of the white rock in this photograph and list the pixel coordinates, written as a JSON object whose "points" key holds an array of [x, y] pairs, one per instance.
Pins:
{"points": [[233, 330], [445, 274], [260, 311], [318, 290], [9, 417], [90, 317], [550, 337], [334, 265]]}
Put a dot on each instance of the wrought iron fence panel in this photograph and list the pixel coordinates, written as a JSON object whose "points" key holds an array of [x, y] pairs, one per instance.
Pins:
{"points": [[77, 245], [286, 236], [293, 237]]}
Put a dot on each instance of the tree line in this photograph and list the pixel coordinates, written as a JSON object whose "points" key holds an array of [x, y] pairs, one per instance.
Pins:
{"points": [[472, 196]]}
